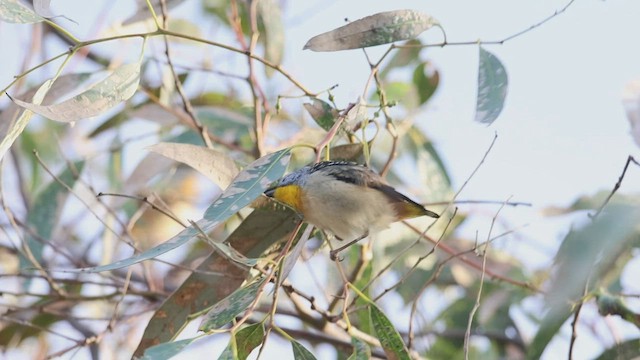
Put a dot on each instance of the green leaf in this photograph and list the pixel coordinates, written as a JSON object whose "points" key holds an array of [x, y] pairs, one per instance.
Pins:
{"points": [[426, 84], [249, 338], [102, 96], [629, 349], [230, 352], [246, 187], [361, 350], [378, 29], [224, 311], [403, 56], [492, 87], [431, 167], [300, 352], [46, 211], [13, 11], [323, 113], [167, 350], [389, 337], [259, 231]]}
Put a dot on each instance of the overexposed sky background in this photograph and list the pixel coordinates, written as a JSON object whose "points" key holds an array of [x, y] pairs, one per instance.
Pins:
{"points": [[562, 134]]}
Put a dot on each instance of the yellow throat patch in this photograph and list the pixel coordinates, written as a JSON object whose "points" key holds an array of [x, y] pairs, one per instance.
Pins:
{"points": [[290, 195]]}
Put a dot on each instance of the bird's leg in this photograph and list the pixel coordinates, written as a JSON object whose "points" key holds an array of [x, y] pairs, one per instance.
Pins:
{"points": [[333, 253]]}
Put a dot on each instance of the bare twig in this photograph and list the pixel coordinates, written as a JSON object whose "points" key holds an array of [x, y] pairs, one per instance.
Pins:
{"points": [[630, 160]]}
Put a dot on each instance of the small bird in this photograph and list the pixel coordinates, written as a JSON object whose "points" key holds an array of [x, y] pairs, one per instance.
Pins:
{"points": [[346, 199]]}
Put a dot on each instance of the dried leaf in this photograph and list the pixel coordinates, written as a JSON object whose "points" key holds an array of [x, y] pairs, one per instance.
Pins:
{"points": [[378, 29]]}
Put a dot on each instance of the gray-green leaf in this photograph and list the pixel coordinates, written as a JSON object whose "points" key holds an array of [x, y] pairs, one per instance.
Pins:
{"points": [[493, 83], [102, 96], [228, 308], [167, 350], [323, 113], [14, 11], [378, 29], [389, 337], [361, 350], [246, 187], [248, 339]]}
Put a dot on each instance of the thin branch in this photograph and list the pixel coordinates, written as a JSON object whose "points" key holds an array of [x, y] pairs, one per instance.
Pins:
{"points": [[476, 305], [630, 159]]}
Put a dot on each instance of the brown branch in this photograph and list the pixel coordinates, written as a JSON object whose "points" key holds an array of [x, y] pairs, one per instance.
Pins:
{"points": [[630, 159]]}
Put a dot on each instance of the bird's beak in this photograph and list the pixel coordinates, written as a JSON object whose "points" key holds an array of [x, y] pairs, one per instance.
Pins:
{"points": [[270, 192]]}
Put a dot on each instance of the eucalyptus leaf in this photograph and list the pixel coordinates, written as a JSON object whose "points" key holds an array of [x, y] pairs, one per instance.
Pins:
{"points": [[378, 29], [300, 352], [493, 83], [249, 338], [323, 113], [12, 130], [361, 350], [102, 96], [14, 11], [224, 311], [247, 186], [215, 165], [166, 351], [389, 337]]}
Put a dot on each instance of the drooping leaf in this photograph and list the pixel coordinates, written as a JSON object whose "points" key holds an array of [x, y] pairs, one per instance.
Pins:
{"points": [[323, 113], [14, 11], [272, 26], [389, 337], [426, 84], [215, 165], [246, 187], [361, 350], [46, 211], [431, 168], [228, 308], [378, 29], [166, 351], [12, 130], [493, 83], [300, 352], [249, 338], [102, 96], [259, 231], [230, 352]]}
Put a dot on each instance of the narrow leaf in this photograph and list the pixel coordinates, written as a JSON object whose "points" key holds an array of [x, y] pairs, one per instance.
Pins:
{"points": [[215, 165], [167, 350], [246, 187], [323, 113], [14, 11], [102, 96], [224, 311], [143, 13], [46, 211], [249, 338], [259, 231], [378, 29], [492, 87], [13, 130], [300, 352], [389, 337], [361, 350]]}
